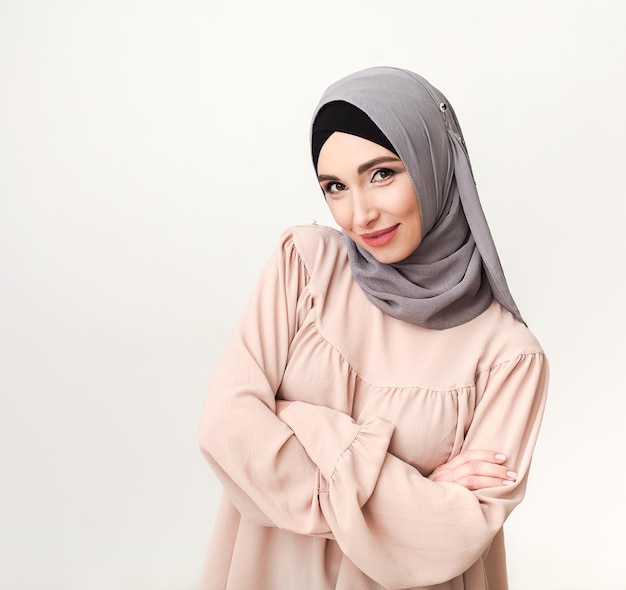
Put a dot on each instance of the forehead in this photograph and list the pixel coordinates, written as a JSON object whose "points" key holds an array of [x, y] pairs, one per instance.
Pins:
{"points": [[345, 151]]}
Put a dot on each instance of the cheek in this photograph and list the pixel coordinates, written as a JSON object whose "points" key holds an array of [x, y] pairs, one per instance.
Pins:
{"points": [[416, 226], [340, 212], [412, 215], [409, 209]]}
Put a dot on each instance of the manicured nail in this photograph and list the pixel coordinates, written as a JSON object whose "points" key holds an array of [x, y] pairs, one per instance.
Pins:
{"points": [[507, 482], [500, 457], [511, 474]]}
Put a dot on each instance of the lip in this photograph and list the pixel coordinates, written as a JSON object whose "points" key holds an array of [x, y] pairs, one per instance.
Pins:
{"points": [[380, 237]]}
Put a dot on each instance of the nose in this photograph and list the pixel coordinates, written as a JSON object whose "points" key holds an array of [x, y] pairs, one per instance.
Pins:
{"points": [[365, 212]]}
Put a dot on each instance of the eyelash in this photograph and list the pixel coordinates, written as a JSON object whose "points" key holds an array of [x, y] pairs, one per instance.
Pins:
{"points": [[328, 187], [389, 173]]}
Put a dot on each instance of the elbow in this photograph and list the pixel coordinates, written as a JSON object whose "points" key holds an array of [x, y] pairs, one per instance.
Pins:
{"points": [[204, 444], [434, 570], [208, 434]]}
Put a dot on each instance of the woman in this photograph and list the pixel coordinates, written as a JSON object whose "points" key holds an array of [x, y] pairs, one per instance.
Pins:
{"points": [[373, 418]]}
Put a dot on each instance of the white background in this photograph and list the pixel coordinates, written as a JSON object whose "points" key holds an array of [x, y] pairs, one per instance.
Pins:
{"points": [[151, 152]]}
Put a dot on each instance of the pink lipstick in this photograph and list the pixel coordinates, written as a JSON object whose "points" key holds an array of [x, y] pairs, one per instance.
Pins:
{"points": [[380, 237]]}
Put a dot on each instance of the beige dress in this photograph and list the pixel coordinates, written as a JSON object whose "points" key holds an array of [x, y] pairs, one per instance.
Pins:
{"points": [[325, 417]]}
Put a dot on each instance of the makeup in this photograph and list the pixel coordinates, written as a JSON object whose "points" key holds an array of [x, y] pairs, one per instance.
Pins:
{"points": [[381, 237]]}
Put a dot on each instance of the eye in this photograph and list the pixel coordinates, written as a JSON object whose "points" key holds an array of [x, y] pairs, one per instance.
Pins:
{"points": [[334, 187], [382, 174]]}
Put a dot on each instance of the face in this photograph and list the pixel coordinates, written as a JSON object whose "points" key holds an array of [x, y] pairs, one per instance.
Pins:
{"points": [[370, 196]]}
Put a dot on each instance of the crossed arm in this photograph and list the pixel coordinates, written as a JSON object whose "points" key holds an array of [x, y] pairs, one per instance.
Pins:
{"points": [[312, 470], [475, 470]]}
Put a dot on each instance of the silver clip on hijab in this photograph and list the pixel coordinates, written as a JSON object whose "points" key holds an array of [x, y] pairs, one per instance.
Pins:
{"points": [[455, 273]]}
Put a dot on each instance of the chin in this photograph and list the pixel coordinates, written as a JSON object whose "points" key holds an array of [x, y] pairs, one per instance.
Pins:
{"points": [[391, 253], [386, 257]]}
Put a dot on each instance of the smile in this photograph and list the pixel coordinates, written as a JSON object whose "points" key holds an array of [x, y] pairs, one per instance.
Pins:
{"points": [[380, 237]]}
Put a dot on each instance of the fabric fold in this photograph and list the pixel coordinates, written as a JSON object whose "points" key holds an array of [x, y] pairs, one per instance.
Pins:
{"points": [[339, 446], [455, 272]]}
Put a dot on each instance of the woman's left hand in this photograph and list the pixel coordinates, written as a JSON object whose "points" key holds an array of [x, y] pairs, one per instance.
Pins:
{"points": [[475, 470]]}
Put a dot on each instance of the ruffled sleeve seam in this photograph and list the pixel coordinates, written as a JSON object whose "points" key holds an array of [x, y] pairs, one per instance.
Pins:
{"points": [[519, 357], [291, 244], [320, 479], [513, 362], [330, 479]]}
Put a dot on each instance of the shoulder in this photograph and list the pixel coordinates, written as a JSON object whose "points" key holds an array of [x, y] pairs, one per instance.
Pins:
{"points": [[317, 245], [501, 337], [310, 237]]}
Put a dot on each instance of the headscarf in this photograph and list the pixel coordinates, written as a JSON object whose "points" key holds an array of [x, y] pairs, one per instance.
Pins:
{"points": [[455, 272], [343, 116]]}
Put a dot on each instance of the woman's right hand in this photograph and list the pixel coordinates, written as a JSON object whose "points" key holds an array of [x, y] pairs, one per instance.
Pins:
{"points": [[475, 470]]}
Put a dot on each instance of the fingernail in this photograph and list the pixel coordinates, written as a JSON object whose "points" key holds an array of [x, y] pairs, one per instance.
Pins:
{"points": [[500, 457], [507, 482], [511, 474]]}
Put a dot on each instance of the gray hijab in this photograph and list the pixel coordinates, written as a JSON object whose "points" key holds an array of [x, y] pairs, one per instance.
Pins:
{"points": [[455, 273]]}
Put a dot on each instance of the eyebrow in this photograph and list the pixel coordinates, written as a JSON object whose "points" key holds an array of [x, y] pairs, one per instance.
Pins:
{"points": [[363, 167], [375, 162]]}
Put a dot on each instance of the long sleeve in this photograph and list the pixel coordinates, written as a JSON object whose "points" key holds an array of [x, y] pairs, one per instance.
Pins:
{"points": [[411, 531], [265, 471]]}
